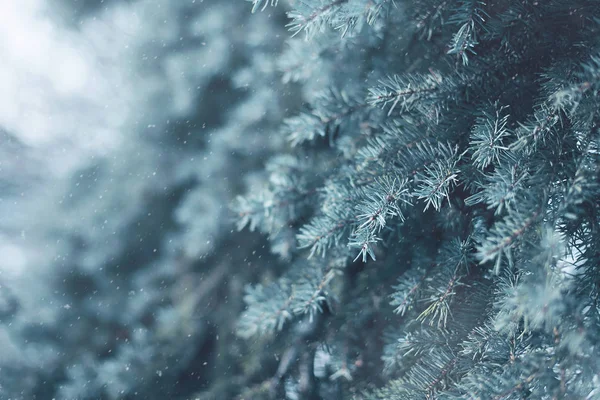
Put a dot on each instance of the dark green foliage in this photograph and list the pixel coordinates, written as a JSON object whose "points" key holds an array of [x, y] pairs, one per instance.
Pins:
{"points": [[453, 238]]}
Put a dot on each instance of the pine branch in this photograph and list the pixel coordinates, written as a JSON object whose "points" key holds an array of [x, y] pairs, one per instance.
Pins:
{"points": [[302, 59], [262, 4], [425, 20], [487, 137], [333, 111], [400, 142], [407, 290], [485, 344], [300, 292], [375, 9], [421, 342], [268, 309], [443, 282], [404, 351], [501, 188], [432, 372], [536, 131], [323, 233], [435, 182], [409, 92], [471, 18], [567, 99], [514, 379], [381, 202], [313, 18], [505, 235], [281, 202]]}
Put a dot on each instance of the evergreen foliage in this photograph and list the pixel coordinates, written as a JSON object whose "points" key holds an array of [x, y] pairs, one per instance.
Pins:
{"points": [[416, 187], [457, 156]]}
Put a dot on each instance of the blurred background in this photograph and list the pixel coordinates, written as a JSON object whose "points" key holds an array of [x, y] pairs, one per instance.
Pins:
{"points": [[126, 129]]}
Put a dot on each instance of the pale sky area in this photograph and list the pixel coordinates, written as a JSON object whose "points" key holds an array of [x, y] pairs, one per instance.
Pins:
{"points": [[66, 100], [76, 90]]}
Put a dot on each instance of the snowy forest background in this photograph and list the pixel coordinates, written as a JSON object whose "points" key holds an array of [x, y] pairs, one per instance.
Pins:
{"points": [[124, 127]]}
